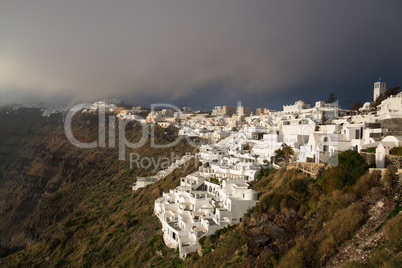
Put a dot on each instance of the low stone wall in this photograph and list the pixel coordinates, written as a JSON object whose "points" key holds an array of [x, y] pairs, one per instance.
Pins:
{"points": [[394, 126], [369, 158], [312, 169], [395, 160], [383, 170]]}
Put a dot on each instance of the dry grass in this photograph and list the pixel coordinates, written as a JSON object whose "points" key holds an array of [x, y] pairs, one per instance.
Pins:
{"points": [[393, 231]]}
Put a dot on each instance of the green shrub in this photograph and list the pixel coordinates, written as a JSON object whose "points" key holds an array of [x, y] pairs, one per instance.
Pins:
{"points": [[394, 212], [60, 263], [289, 202], [396, 151], [270, 201], [259, 175], [298, 186], [264, 172], [214, 180], [351, 166]]}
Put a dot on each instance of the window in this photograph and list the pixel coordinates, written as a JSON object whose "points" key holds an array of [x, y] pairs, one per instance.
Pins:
{"points": [[357, 134]]}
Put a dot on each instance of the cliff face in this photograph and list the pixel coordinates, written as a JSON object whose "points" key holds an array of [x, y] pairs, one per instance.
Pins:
{"points": [[298, 223], [26, 173], [45, 180], [64, 206], [268, 234]]}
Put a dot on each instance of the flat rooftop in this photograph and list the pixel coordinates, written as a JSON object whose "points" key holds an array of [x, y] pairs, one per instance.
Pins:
{"points": [[172, 223]]}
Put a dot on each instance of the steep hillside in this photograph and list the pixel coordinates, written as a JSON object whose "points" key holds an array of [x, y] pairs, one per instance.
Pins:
{"points": [[67, 207], [49, 188], [300, 222]]}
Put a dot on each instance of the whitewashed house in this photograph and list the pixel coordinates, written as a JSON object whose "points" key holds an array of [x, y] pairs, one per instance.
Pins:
{"points": [[297, 107], [391, 105], [266, 147], [199, 208], [384, 147]]}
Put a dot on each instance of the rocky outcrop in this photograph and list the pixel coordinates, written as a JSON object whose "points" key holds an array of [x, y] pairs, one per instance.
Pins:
{"points": [[369, 158], [394, 160], [268, 234]]}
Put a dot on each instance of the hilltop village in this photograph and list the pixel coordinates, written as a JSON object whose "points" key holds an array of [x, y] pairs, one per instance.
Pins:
{"points": [[237, 143], [232, 151]]}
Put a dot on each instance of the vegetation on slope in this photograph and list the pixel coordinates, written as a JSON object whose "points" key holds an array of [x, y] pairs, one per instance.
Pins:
{"points": [[75, 207], [300, 222], [82, 212]]}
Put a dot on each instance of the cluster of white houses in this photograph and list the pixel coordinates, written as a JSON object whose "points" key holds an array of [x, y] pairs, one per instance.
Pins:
{"points": [[201, 206], [218, 194]]}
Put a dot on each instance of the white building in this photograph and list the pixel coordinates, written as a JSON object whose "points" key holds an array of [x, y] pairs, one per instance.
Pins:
{"points": [[384, 147], [264, 111], [167, 112], [379, 88], [391, 105], [243, 111], [232, 169], [223, 111], [141, 182], [321, 146], [266, 147], [332, 139], [164, 124], [251, 130], [186, 109], [297, 107], [199, 207], [300, 127]]}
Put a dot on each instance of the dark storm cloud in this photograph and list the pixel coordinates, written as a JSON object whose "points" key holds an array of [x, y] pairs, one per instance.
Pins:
{"points": [[199, 53]]}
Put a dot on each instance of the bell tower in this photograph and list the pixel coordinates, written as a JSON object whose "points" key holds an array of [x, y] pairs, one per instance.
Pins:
{"points": [[379, 88]]}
